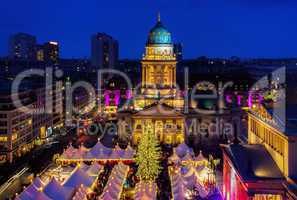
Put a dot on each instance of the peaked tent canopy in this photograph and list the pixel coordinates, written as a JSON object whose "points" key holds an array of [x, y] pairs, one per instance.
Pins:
{"points": [[57, 192]]}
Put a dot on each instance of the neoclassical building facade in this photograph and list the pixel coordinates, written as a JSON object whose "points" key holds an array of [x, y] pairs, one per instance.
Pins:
{"points": [[159, 101], [158, 70], [167, 124], [158, 93], [265, 168]]}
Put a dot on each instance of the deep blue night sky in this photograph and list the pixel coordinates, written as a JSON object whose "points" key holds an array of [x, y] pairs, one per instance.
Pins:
{"points": [[214, 28]]}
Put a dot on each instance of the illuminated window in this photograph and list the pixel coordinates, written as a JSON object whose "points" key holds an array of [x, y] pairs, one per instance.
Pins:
{"points": [[3, 139]]}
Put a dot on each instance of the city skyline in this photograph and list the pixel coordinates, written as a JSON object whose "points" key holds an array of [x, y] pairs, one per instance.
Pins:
{"points": [[204, 108], [244, 29]]}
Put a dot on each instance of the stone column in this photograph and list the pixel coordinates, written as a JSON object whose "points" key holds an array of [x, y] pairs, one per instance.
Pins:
{"points": [[174, 75], [143, 76]]}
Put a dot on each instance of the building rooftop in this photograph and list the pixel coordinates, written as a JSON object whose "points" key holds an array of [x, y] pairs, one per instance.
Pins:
{"points": [[159, 34], [284, 120], [253, 162]]}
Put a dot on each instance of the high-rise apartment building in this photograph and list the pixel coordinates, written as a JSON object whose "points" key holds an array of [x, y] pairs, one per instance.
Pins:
{"points": [[104, 51], [22, 46]]}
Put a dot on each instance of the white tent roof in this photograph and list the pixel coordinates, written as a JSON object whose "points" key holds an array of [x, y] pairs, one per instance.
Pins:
{"points": [[183, 149], [98, 147], [94, 169], [69, 152], [146, 191], [83, 166], [31, 190], [78, 154], [200, 157], [99, 151], [115, 182], [81, 193], [178, 190], [184, 179], [41, 196], [79, 177], [32, 193], [174, 158], [38, 183], [187, 157], [202, 192], [57, 192], [190, 181], [106, 196], [23, 196], [200, 168]]}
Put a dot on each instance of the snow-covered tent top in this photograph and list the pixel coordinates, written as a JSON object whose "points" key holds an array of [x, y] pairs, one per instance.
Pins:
{"points": [[55, 191], [146, 190], [115, 182], [79, 177]]}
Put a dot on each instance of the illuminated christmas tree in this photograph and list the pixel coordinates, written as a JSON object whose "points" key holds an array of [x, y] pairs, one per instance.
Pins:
{"points": [[148, 156]]}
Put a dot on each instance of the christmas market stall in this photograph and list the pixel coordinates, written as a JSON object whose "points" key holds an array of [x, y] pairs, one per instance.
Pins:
{"points": [[98, 153], [79, 177], [146, 190], [114, 186], [192, 176], [77, 185], [55, 190]]}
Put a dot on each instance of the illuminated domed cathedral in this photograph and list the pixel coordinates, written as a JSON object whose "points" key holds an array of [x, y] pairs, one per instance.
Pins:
{"points": [[161, 103], [158, 94], [158, 70]]}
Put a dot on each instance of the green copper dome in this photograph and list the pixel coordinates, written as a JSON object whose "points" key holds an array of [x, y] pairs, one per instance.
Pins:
{"points": [[159, 34]]}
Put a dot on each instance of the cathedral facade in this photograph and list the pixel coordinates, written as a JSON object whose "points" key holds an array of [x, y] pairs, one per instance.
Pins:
{"points": [[159, 102], [158, 77], [158, 92]]}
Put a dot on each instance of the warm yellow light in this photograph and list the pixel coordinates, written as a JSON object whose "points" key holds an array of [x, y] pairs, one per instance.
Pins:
{"points": [[3, 139], [14, 136]]}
